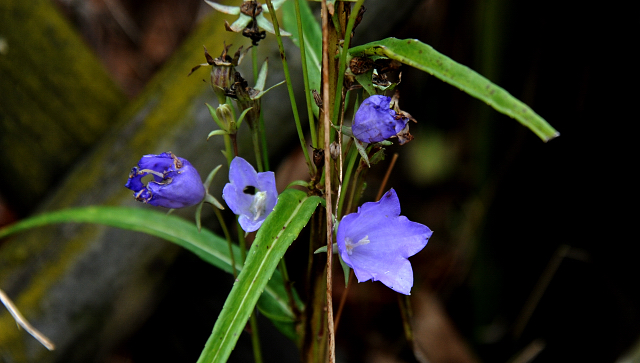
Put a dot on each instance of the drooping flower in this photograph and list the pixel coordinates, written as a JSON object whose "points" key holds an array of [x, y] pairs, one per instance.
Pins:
{"points": [[375, 121], [249, 194], [176, 183], [376, 242]]}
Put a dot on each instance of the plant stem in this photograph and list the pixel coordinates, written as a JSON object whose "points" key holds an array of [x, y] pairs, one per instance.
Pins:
{"points": [[327, 179], [292, 98], [282, 266], [255, 137], [263, 136], [225, 230], [352, 156], [343, 300], [386, 176], [305, 76], [254, 63], [343, 55], [255, 338]]}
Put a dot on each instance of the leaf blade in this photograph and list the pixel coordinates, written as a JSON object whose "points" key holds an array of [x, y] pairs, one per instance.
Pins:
{"points": [[283, 225], [312, 41], [205, 244], [422, 56]]}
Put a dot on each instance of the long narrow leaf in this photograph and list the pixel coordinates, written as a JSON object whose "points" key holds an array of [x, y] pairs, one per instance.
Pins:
{"points": [[312, 40], [204, 244], [279, 230], [422, 56]]}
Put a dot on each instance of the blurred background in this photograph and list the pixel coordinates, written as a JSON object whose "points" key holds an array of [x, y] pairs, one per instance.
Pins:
{"points": [[530, 260]]}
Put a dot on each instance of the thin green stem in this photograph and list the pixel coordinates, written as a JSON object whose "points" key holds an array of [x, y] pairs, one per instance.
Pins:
{"points": [[354, 188], [254, 63], [287, 76], [263, 136], [343, 57], [227, 235], [305, 76], [255, 338], [336, 26], [255, 137], [231, 151], [352, 156], [282, 266], [263, 141], [405, 312]]}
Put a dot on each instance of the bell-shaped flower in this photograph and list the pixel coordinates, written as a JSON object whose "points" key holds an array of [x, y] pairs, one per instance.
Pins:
{"points": [[249, 194], [250, 18], [375, 121], [176, 183], [376, 242]]}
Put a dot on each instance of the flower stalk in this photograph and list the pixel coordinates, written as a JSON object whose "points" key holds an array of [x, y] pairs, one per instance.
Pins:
{"points": [[292, 98]]}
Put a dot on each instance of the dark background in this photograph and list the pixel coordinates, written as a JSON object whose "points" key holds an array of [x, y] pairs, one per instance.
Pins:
{"points": [[504, 205]]}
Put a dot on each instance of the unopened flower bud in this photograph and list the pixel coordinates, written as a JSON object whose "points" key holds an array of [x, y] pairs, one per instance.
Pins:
{"points": [[226, 117]]}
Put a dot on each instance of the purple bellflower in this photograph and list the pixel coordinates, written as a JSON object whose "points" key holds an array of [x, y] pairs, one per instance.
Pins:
{"points": [[249, 194], [376, 242], [375, 121], [176, 183]]}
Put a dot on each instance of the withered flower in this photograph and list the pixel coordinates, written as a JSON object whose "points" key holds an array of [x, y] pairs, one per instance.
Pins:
{"points": [[250, 18], [222, 70]]}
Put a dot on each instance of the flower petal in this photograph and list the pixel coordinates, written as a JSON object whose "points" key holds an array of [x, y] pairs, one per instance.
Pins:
{"points": [[237, 201], [376, 242], [233, 10], [375, 121], [249, 194], [176, 183], [184, 189], [266, 25], [267, 183], [241, 23]]}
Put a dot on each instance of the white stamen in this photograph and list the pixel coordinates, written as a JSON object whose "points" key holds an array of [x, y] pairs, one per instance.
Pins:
{"points": [[350, 245], [258, 205]]}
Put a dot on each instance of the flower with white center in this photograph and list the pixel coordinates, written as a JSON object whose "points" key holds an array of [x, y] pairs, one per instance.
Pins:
{"points": [[249, 194], [376, 242]]}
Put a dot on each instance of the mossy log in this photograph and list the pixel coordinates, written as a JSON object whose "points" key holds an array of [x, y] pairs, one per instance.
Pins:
{"points": [[71, 281], [57, 99]]}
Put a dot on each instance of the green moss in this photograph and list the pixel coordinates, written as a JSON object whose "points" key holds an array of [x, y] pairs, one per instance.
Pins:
{"points": [[57, 99]]}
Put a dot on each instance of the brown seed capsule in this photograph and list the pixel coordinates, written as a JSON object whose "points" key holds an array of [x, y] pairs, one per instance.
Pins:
{"points": [[360, 65], [317, 98], [318, 158]]}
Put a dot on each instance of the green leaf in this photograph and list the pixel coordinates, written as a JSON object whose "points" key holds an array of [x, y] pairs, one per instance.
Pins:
{"points": [[424, 57], [217, 132], [204, 244], [279, 230], [312, 40], [366, 81], [262, 76], [212, 112]]}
